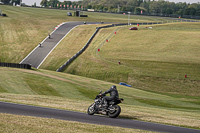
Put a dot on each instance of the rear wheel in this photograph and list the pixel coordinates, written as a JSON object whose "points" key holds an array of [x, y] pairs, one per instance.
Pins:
{"points": [[91, 109], [114, 111]]}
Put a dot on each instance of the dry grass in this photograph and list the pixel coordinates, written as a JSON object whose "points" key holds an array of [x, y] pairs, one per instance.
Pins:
{"points": [[20, 36], [25, 28], [158, 44], [165, 116], [135, 112], [77, 93], [27, 124]]}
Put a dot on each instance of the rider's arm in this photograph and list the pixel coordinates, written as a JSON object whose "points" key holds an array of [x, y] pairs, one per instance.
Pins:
{"points": [[106, 92]]}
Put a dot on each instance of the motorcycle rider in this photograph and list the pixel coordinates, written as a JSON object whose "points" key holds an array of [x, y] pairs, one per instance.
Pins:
{"points": [[113, 95]]}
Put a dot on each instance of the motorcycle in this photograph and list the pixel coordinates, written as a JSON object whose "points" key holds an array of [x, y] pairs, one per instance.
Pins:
{"points": [[112, 110]]}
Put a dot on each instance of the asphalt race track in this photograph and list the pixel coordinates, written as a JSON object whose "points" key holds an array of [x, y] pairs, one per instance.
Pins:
{"points": [[39, 54], [27, 110]]}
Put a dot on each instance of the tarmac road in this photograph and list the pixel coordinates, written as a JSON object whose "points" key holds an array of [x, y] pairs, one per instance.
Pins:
{"points": [[27, 110], [39, 54]]}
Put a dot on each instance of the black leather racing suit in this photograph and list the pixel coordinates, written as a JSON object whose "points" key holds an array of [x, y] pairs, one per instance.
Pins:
{"points": [[113, 94]]}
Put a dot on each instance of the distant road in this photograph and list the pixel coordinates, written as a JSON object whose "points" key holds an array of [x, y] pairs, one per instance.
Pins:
{"points": [[39, 54], [27, 110]]}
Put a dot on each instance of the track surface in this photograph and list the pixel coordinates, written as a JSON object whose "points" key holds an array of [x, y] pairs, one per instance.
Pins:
{"points": [[27, 110], [38, 55]]}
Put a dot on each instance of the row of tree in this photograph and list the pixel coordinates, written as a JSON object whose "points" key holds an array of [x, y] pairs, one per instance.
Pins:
{"points": [[45, 3], [11, 1], [144, 6], [58, 4], [133, 6]]}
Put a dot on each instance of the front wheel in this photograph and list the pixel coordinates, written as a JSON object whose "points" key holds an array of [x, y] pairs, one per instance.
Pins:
{"points": [[91, 109], [114, 111]]}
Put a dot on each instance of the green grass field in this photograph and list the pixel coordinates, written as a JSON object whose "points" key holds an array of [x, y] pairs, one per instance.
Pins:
{"points": [[154, 61]]}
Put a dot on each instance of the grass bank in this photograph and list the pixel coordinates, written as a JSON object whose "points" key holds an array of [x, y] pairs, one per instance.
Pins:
{"points": [[154, 59], [70, 92]]}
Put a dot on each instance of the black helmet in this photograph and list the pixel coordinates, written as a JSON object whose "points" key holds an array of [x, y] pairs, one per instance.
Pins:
{"points": [[113, 87]]}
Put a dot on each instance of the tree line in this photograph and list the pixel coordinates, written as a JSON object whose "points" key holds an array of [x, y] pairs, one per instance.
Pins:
{"points": [[7, 2], [133, 6], [144, 6], [119, 6], [58, 4]]}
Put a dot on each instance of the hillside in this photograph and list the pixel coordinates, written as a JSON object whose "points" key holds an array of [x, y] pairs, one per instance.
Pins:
{"points": [[153, 60], [71, 92], [25, 28]]}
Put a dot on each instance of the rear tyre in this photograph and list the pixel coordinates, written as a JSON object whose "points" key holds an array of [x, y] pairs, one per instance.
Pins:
{"points": [[114, 111], [91, 109]]}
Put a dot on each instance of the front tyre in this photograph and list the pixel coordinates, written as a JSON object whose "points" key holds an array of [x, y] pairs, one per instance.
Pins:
{"points": [[114, 111], [91, 109]]}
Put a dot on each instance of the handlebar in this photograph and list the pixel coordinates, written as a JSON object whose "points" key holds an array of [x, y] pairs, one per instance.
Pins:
{"points": [[100, 92]]}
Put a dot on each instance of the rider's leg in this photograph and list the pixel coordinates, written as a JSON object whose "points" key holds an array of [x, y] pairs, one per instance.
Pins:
{"points": [[106, 99]]}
